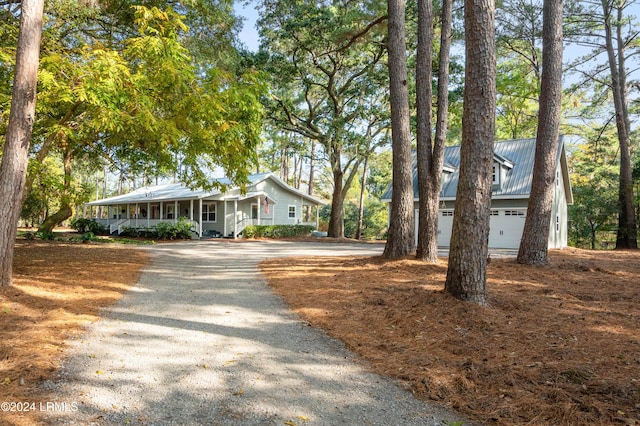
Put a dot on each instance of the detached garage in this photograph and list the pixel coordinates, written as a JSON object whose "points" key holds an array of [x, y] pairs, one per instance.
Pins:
{"points": [[512, 177]]}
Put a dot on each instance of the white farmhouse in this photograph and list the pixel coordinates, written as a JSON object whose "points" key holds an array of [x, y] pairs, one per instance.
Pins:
{"points": [[268, 200]]}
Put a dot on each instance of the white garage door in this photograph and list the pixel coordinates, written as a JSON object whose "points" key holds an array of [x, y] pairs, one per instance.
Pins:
{"points": [[506, 228], [445, 225]]}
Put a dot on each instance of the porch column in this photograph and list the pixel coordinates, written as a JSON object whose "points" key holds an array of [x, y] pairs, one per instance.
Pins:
{"points": [[317, 216], [161, 205], [224, 231], [136, 214], [235, 219], [258, 210], [148, 215], [200, 217], [175, 211]]}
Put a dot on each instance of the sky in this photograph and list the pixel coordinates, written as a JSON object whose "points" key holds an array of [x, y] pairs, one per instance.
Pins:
{"points": [[249, 33]]}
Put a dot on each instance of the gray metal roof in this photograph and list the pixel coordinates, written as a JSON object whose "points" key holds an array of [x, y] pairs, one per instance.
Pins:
{"points": [[178, 191], [517, 183]]}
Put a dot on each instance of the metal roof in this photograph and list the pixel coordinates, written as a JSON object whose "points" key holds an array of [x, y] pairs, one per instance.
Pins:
{"points": [[179, 191], [518, 153]]}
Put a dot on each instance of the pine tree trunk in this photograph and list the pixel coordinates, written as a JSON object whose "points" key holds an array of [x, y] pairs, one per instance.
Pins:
{"points": [[428, 226], [466, 274], [534, 245], [400, 239], [13, 168], [424, 149], [627, 229]]}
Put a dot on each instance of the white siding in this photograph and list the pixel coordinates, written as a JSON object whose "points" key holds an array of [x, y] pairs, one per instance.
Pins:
{"points": [[558, 237]]}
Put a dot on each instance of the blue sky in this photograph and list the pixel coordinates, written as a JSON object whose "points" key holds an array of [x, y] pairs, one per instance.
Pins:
{"points": [[249, 34]]}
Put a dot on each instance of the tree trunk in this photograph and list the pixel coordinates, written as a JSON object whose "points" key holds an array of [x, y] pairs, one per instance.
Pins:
{"points": [[312, 166], [534, 245], [363, 184], [466, 274], [336, 220], [424, 149], [428, 225], [627, 231], [400, 239], [65, 211], [13, 168]]}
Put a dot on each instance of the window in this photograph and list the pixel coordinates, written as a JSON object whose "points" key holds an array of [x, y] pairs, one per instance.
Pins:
{"points": [[170, 211], [209, 212], [254, 211], [495, 212], [447, 213], [496, 174], [292, 212], [520, 213]]}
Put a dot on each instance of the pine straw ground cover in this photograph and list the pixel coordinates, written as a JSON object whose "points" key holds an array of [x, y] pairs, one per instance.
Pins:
{"points": [[58, 289], [557, 345]]}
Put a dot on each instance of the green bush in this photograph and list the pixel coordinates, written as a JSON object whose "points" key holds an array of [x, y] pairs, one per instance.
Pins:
{"points": [[84, 225], [89, 236], [162, 231], [46, 235], [277, 231]]}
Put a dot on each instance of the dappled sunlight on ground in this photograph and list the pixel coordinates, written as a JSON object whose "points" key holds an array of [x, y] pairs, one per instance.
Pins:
{"points": [[58, 289]]}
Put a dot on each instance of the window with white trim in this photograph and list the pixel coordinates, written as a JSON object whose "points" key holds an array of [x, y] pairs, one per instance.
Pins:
{"points": [[447, 213], [520, 213], [292, 212], [495, 212], [496, 174], [209, 212]]}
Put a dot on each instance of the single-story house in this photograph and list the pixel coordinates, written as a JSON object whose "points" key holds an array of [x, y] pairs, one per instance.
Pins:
{"points": [[512, 177], [268, 200]]}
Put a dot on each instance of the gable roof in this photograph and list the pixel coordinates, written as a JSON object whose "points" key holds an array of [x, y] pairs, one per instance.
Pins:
{"points": [[516, 155], [179, 191]]}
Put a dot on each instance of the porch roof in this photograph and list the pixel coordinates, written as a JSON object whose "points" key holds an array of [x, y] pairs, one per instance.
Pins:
{"points": [[178, 191]]}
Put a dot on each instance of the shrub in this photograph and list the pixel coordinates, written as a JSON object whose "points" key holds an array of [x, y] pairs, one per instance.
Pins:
{"points": [[277, 231], [162, 231], [88, 236], [46, 235], [84, 225]]}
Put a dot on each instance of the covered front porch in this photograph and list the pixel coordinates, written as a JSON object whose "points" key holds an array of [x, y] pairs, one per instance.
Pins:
{"points": [[222, 215]]}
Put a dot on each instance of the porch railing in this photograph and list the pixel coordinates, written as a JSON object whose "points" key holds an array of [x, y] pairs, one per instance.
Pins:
{"points": [[117, 226]]}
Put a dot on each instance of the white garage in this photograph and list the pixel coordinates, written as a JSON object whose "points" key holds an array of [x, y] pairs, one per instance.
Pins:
{"points": [[505, 227], [512, 177]]}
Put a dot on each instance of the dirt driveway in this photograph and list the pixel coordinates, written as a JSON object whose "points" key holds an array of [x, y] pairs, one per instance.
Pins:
{"points": [[201, 339]]}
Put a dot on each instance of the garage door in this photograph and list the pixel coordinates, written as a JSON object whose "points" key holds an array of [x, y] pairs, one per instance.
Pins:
{"points": [[445, 225], [506, 228]]}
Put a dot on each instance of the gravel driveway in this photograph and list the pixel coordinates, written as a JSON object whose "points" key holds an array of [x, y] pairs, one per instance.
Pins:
{"points": [[201, 340]]}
